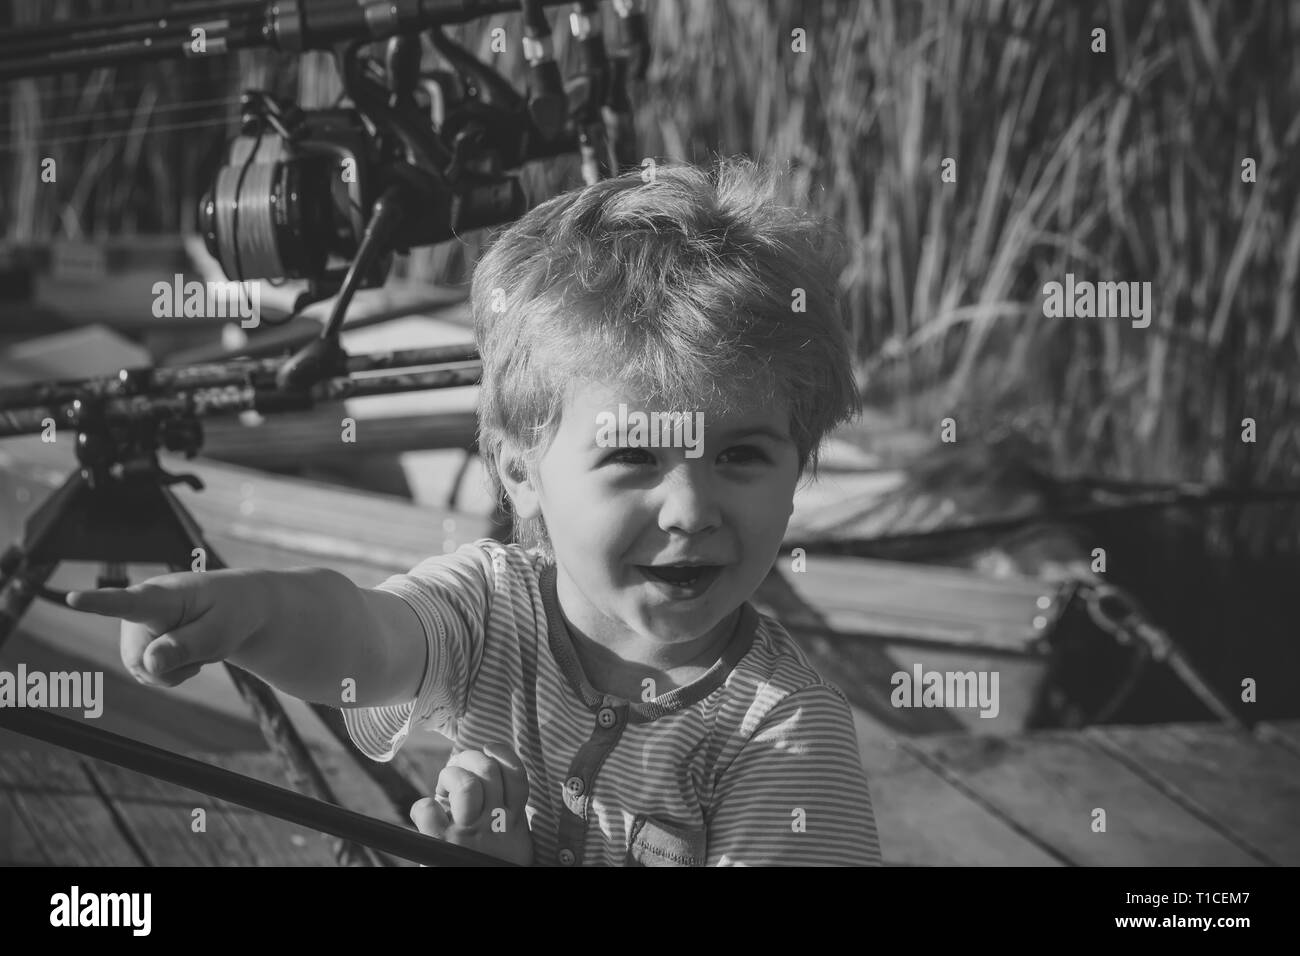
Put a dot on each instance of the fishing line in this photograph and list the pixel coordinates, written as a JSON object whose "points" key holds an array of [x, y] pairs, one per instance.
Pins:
{"points": [[126, 113], [149, 130]]}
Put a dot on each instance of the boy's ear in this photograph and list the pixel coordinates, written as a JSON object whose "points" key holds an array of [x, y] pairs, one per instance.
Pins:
{"points": [[515, 477]]}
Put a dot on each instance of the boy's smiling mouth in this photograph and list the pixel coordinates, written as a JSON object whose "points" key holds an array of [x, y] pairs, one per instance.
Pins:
{"points": [[681, 580]]}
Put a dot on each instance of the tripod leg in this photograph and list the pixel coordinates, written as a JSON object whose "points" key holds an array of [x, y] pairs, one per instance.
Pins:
{"points": [[399, 779], [19, 583], [288, 745], [394, 778]]}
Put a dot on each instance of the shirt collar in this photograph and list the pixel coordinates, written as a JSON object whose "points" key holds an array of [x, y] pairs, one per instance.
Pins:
{"points": [[561, 643]]}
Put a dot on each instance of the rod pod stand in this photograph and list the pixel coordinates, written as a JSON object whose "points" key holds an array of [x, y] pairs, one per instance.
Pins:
{"points": [[118, 509]]}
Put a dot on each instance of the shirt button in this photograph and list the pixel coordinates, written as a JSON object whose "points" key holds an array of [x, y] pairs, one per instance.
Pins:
{"points": [[575, 786], [567, 857], [606, 717]]}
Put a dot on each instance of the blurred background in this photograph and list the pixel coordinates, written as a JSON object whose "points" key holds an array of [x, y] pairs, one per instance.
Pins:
{"points": [[1072, 434]]}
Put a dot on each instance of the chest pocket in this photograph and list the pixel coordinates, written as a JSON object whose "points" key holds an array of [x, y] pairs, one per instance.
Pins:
{"points": [[653, 843]]}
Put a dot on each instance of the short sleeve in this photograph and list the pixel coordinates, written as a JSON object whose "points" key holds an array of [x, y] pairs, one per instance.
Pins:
{"points": [[450, 595], [796, 794]]}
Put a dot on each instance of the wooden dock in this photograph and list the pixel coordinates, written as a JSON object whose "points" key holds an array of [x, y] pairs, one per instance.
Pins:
{"points": [[1175, 795], [945, 793]]}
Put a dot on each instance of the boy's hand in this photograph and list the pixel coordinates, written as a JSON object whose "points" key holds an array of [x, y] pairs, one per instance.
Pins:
{"points": [[173, 624], [479, 804]]}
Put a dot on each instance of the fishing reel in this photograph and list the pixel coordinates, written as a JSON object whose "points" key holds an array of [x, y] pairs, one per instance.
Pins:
{"points": [[415, 158], [297, 189], [292, 192]]}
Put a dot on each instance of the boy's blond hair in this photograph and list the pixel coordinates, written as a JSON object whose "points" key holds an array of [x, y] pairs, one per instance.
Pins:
{"points": [[683, 288]]}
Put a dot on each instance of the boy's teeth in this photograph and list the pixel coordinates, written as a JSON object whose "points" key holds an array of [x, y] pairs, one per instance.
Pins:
{"points": [[677, 574]]}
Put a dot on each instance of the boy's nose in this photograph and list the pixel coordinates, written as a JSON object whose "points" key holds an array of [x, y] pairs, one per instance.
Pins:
{"points": [[689, 503]]}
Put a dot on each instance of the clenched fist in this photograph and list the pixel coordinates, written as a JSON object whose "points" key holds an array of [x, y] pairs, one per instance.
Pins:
{"points": [[479, 803]]}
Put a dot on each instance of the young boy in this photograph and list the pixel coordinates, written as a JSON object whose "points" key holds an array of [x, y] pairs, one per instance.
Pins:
{"points": [[661, 360]]}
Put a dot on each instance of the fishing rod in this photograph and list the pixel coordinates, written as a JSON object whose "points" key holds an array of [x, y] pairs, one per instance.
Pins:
{"points": [[24, 402], [130, 417], [291, 26]]}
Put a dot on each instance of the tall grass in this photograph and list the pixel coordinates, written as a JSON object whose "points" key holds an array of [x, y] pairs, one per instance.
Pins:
{"points": [[1116, 166]]}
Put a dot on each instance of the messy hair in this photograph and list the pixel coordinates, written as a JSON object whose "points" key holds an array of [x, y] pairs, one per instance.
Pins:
{"points": [[696, 287]]}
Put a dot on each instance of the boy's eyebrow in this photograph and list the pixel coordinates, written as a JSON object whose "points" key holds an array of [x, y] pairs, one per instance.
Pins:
{"points": [[745, 431]]}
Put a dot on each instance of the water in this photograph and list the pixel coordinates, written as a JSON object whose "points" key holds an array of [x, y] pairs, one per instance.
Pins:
{"points": [[1234, 611]]}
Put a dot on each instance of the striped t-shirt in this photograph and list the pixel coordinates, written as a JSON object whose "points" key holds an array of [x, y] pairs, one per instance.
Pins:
{"points": [[756, 762]]}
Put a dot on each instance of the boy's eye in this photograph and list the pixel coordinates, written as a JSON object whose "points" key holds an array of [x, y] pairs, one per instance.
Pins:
{"points": [[629, 456], [746, 453]]}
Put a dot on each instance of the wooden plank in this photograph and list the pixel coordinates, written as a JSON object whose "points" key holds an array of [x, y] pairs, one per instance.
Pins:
{"points": [[160, 816], [865, 669], [235, 835], [924, 821], [54, 799], [329, 521], [863, 676], [1248, 788], [274, 842], [19, 846], [29, 764], [1047, 785], [915, 600], [1010, 707]]}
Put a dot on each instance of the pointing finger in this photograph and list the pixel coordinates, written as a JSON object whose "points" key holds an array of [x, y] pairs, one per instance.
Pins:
{"points": [[158, 608]]}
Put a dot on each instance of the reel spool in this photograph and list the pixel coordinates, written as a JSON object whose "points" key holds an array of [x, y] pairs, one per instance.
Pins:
{"points": [[281, 205]]}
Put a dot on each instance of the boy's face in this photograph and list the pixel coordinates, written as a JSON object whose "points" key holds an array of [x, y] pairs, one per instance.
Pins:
{"points": [[615, 510]]}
